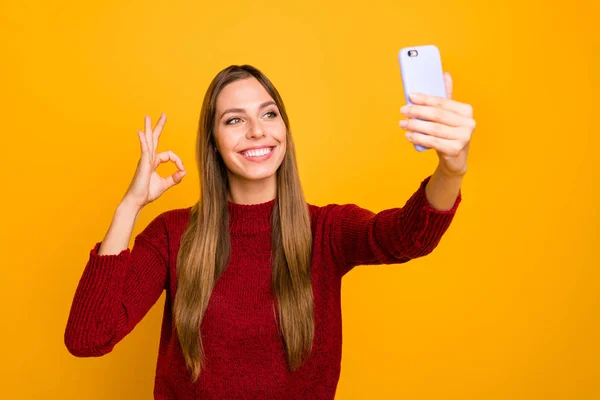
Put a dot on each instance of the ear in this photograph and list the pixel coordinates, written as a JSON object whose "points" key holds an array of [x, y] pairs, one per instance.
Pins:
{"points": [[448, 83]]}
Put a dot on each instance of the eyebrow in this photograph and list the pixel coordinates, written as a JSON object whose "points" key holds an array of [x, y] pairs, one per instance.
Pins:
{"points": [[231, 110]]}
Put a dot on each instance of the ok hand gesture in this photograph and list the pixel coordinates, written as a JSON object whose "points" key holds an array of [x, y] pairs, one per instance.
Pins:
{"points": [[146, 185]]}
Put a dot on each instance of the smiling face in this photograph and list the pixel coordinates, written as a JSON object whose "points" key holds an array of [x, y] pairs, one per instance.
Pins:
{"points": [[249, 132]]}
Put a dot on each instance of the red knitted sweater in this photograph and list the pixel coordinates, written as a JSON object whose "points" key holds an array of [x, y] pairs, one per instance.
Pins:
{"points": [[244, 352]]}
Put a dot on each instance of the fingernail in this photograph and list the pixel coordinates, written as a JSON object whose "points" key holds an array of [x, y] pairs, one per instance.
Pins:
{"points": [[403, 123], [408, 135], [415, 96], [404, 109]]}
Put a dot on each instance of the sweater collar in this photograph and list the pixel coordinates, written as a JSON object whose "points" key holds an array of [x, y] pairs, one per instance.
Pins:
{"points": [[250, 218]]}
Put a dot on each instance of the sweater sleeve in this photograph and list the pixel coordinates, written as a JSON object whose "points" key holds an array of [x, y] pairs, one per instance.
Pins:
{"points": [[116, 291], [392, 236]]}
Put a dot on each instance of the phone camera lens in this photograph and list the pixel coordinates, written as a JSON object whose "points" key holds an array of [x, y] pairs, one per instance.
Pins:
{"points": [[412, 53]]}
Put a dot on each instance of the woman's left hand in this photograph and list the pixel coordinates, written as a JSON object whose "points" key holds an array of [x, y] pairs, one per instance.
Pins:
{"points": [[444, 124]]}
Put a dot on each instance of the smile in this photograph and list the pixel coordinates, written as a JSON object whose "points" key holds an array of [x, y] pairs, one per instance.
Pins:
{"points": [[258, 155]]}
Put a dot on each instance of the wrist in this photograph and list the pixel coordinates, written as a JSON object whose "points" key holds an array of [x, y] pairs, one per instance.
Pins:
{"points": [[451, 174], [128, 207]]}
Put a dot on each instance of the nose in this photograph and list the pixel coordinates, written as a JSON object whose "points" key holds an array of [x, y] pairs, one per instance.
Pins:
{"points": [[256, 130]]}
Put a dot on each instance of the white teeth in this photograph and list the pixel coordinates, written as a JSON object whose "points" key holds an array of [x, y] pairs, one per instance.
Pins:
{"points": [[257, 153]]}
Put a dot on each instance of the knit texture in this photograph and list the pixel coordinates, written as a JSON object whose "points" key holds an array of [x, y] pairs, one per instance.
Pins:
{"points": [[244, 352]]}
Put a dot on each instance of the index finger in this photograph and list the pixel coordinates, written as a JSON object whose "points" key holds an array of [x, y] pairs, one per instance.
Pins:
{"points": [[440, 102]]}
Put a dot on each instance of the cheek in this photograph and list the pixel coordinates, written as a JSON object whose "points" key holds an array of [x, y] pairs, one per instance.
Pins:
{"points": [[283, 150], [281, 134], [225, 142]]}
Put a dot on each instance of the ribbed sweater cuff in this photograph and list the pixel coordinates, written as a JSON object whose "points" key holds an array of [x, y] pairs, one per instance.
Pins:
{"points": [[431, 223], [107, 267], [95, 302]]}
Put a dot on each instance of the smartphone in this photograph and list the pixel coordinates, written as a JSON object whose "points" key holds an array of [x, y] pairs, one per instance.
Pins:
{"points": [[421, 71]]}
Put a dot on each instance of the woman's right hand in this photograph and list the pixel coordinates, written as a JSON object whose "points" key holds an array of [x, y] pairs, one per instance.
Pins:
{"points": [[146, 185]]}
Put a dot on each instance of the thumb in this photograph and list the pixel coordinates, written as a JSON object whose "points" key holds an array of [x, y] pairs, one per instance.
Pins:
{"points": [[175, 178]]}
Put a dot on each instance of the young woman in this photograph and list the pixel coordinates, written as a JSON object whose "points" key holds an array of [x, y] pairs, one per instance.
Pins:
{"points": [[252, 272]]}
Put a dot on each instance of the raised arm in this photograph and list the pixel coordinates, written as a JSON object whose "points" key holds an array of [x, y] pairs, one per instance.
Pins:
{"points": [[119, 285], [400, 234]]}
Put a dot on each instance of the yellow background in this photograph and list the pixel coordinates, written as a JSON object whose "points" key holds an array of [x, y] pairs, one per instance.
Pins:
{"points": [[506, 307]]}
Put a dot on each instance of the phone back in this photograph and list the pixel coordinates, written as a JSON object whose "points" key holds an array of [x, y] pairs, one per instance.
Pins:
{"points": [[421, 70]]}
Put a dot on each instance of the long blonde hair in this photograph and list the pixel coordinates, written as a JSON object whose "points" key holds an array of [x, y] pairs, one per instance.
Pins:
{"points": [[205, 245]]}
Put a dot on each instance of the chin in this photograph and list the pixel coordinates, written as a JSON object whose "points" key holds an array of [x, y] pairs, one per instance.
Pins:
{"points": [[259, 176]]}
